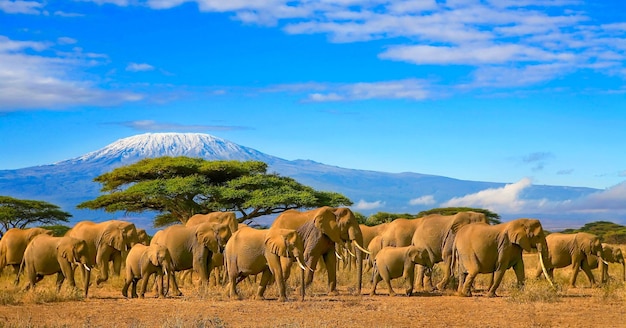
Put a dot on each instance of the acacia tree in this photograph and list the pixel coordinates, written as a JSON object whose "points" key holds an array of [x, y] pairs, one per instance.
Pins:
{"points": [[20, 213], [179, 187]]}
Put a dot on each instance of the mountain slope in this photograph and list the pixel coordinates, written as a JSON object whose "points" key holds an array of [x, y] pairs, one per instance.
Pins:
{"points": [[70, 182]]}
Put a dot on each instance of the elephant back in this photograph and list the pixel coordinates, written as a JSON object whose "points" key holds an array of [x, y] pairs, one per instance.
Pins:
{"points": [[291, 219]]}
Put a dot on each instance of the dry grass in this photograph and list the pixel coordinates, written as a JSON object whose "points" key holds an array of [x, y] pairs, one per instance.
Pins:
{"points": [[536, 305]]}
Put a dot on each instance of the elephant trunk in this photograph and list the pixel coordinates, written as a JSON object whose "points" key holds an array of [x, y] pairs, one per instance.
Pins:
{"points": [[540, 250], [357, 241]]}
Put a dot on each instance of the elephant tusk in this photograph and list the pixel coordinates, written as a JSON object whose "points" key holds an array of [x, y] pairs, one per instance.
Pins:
{"points": [[86, 267], [545, 272], [165, 270], [338, 256], [349, 252], [361, 248], [300, 264], [603, 261]]}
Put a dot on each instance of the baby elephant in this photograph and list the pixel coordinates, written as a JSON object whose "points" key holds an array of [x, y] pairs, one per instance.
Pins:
{"points": [[142, 261], [46, 255], [395, 262]]}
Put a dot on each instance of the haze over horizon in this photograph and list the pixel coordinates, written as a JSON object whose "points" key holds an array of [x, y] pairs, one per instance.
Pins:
{"points": [[519, 92]]}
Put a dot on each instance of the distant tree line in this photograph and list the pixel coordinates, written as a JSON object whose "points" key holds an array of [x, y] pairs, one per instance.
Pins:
{"points": [[608, 232]]}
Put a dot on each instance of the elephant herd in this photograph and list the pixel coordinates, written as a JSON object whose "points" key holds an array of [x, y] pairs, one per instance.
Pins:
{"points": [[465, 244]]}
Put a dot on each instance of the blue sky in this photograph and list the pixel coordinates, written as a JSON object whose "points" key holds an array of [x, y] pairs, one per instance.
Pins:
{"points": [[526, 91]]}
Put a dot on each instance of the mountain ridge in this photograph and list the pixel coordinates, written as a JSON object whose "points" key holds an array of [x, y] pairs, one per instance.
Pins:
{"points": [[69, 182]]}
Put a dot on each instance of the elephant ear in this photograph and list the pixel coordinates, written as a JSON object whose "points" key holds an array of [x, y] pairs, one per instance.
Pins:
{"points": [[276, 241], [326, 222], [520, 235], [153, 255], [66, 251], [114, 237], [208, 239]]}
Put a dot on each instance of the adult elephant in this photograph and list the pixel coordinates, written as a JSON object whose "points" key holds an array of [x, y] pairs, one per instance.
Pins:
{"points": [[46, 255], [13, 244], [321, 229], [106, 242], [252, 251], [226, 218], [436, 233], [484, 248], [192, 248], [576, 250]]}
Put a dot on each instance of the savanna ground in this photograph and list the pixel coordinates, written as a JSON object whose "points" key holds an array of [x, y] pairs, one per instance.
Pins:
{"points": [[537, 305]]}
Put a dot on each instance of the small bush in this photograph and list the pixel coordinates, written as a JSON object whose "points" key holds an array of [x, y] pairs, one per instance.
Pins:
{"points": [[535, 291]]}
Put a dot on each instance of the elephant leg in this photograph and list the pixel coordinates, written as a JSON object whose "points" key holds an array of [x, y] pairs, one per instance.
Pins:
{"points": [[276, 270], [117, 263], [266, 277], [59, 282], [232, 286], [375, 280], [497, 279], [575, 268], [331, 260], [419, 278], [408, 277], [519, 273], [587, 270], [144, 284], [172, 281], [127, 283], [465, 289]]}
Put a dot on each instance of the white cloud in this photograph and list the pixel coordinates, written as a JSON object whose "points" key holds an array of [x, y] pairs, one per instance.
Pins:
{"points": [[424, 200], [506, 199], [21, 7], [610, 200], [150, 125], [31, 80], [139, 67], [363, 205], [411, 89]]}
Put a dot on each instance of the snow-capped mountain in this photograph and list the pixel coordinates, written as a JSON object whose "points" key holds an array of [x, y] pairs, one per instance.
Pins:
{"points": [[150, 145], [70, 182]]}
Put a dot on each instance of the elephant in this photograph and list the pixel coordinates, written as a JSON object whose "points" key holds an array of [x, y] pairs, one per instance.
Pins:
{"points": [[252, 251], [227, 218], [436, 232], [143, 261], [143, 237], [575, 250], [106, 242], [611, 255], [395, 262], [321, 229], [46, 255], [13, 244], [484, 248], [192, 247]]}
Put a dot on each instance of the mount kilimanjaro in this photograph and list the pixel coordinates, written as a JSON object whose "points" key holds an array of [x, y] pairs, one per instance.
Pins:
{"points": [[70, 182]]}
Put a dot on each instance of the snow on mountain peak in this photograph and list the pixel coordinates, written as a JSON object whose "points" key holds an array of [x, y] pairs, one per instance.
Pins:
{"points": [[150, 145]]}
